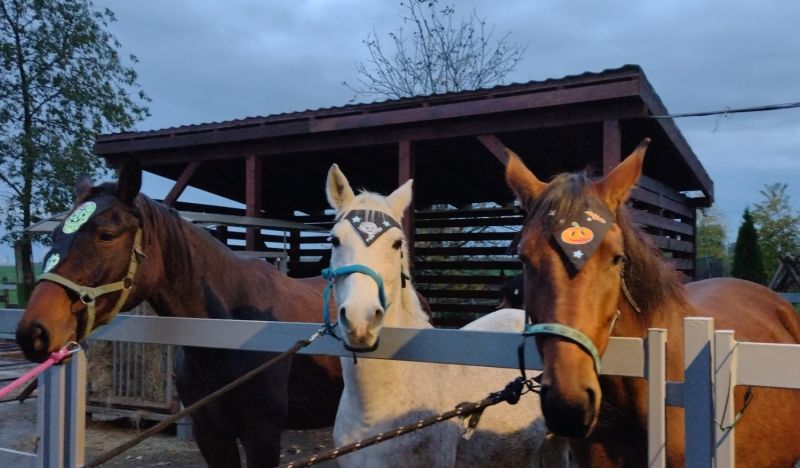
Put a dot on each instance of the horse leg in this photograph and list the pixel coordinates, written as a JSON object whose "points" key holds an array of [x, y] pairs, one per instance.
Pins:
{"points": [[219, 448], [263, 447]]}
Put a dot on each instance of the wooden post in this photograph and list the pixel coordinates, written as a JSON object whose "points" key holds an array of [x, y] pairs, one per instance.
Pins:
{"points": [[405, 171], [495, 146], [253, 173], [181, 183], [612, 141]]}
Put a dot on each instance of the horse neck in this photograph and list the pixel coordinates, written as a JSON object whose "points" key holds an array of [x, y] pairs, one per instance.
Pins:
{"points": [[405, 310], [377, 386], [197, 276]]}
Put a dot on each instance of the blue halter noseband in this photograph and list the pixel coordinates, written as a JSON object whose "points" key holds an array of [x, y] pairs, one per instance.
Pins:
{"points": [[330, 274]]}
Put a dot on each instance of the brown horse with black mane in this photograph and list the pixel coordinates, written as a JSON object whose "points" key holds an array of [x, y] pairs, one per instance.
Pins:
{"points": [[184, 272], [589, 270]]}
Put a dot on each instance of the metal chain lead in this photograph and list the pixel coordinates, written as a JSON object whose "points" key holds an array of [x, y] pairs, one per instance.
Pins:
{"points": [[511, 394]]}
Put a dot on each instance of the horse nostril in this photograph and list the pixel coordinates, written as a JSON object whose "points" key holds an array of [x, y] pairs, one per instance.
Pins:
{"points": [[40, 339], [34, 341], [342, 314], [378, 313], [591, 395]]}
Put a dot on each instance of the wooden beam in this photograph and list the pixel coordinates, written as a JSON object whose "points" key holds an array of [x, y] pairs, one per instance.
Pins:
{"points": [[253, 173], [420, 115], [406, 166], [154, 153], [612, 140], [496, 147], [181, 183]]}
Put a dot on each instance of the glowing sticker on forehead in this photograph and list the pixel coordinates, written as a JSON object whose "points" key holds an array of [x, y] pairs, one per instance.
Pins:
{"points": [[65, 234], [370, 225], [78, 217], [579, 235]]}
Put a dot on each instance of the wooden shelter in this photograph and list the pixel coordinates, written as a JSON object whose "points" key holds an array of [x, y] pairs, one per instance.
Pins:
{"points": [[453, 146]]}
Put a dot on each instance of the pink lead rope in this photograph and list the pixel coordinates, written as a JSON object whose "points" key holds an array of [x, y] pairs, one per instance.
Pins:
{"points": [[57, 356]]}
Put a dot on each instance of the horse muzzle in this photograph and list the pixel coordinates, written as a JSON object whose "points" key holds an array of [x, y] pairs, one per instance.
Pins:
{"points": [[570, 394]]}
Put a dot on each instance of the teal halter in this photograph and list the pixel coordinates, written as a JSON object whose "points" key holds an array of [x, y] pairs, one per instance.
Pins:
{"points": [[330, 274], [569, 333]]}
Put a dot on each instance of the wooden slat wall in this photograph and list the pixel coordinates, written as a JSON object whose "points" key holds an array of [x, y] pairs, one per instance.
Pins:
{"points": [[462, 256]]}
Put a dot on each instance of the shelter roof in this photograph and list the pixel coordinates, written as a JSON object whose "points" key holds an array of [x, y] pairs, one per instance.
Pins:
{"points": [[555, 125]]}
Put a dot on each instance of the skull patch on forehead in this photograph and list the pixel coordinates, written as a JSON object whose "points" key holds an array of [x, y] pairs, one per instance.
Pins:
{"points": [[370, 225]]}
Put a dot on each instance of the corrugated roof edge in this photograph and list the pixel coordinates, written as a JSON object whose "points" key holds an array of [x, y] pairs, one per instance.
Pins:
{"points": [[371, 106]]}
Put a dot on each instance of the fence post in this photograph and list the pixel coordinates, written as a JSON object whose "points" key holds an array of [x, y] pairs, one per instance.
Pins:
{"points": [[725, 362], [698, 361], [50, 418], [656, 396], [75, 411]]}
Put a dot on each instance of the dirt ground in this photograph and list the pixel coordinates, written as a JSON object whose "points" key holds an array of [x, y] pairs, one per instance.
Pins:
{"points": [[18, 432]]}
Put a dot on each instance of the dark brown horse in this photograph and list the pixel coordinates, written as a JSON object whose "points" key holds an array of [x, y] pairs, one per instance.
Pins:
{"points": [[184, 272], [606, 416]]}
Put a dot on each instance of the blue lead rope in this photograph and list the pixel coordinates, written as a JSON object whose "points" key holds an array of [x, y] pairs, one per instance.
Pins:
{"points": [[331, 274]]}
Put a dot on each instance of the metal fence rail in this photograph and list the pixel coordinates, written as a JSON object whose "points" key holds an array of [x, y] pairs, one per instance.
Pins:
{"points": [[709, 358]]}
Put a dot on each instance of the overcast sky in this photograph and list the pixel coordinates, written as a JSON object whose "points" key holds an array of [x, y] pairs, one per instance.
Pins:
{"points": [[203, 61]]}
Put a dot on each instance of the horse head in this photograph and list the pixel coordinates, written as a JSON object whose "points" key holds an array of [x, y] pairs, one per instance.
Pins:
{"points": [[367, 237], [573, 252], [89, 272]]}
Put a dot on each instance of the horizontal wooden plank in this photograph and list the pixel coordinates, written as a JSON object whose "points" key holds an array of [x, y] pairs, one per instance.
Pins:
{"points": [[465, 236], [460, 279], [681, 263], [514, 265], [660, 222], [665, 243], [461, 251], [468, 222], [661, 201], [469, 213], [460, 293], [659, 187]]}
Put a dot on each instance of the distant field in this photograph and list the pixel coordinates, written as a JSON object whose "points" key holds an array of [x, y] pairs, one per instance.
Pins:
{"points": [[9, 273]]}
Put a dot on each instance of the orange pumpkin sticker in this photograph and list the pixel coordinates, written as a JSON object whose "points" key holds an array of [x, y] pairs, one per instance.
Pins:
{"points": [[577, 235]]}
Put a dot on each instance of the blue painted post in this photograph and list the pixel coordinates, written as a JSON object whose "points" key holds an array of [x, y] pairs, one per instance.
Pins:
{"points": [[698, 388]]}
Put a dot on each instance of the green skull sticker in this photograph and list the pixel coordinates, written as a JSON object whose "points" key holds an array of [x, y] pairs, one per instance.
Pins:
{"points": [[52, 262], [79, 217]]}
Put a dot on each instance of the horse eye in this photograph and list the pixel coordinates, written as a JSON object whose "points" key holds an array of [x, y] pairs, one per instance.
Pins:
{"points": [[397, 244], [618, 259], [106, 236], [335, 241]]}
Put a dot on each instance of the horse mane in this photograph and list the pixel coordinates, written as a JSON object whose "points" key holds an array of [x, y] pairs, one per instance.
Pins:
{"points": [[650, 280]]}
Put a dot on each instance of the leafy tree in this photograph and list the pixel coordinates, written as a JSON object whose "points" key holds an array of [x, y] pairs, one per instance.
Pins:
{"points": [[711, 235], [442, 54], [747, 262], [61, 83], [778, 225]]}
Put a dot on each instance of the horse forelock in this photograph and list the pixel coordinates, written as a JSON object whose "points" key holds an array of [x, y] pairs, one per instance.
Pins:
{"points": [[564, 198]]}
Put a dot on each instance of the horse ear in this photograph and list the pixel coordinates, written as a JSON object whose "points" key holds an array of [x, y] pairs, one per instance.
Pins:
{"points": [[82, 186], [130, 182], [521, 180], [615, 187], [400, 199], [338, 188]]}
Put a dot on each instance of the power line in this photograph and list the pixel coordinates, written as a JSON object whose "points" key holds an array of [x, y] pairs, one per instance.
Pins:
{"points": [[790, 105]]}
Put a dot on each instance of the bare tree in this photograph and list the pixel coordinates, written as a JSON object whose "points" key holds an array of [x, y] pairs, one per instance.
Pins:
{"points": [[442, 54]]}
